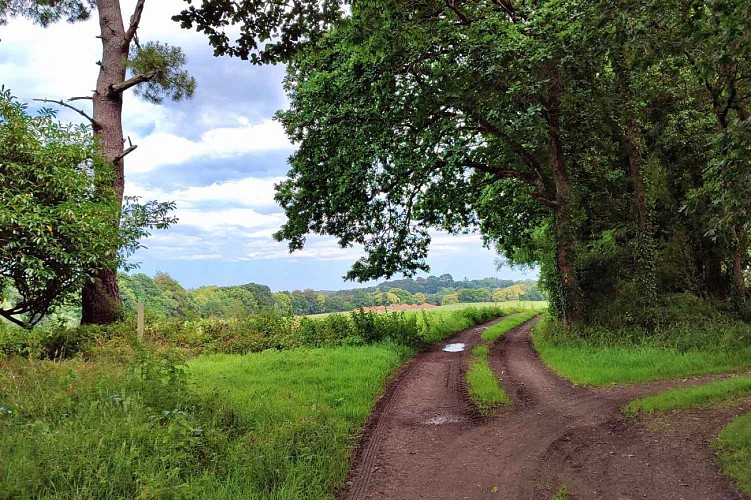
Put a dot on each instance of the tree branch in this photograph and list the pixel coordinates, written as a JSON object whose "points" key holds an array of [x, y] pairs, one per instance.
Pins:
{"points": [[119, 88], [135, 21], [66, 105], [132, 147], [82, 98], [9, 316]]}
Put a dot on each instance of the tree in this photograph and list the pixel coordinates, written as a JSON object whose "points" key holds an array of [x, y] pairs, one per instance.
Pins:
{"points": [[56, 212], [151, 69]]}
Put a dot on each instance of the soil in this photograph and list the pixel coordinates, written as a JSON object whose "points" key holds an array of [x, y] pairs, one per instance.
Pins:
{"points": [[425, 439]]}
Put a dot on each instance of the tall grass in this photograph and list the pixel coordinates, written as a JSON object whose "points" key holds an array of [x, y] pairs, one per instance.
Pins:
{"points": [[597, 356], [252, 334]]}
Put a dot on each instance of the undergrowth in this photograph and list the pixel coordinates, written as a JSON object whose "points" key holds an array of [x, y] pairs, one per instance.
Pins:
{"points": [[251, 334], [129, 420]]}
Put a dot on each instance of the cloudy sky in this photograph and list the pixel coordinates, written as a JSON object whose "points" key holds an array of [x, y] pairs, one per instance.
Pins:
{"points": [[217, 156]]}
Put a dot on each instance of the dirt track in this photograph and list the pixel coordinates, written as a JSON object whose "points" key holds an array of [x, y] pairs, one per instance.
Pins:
{"points": [[425, 441]]}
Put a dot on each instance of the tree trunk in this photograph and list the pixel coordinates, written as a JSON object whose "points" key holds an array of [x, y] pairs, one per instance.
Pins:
{"points": [[739, 251], [101, 301], [565, 225], [644, 258]]}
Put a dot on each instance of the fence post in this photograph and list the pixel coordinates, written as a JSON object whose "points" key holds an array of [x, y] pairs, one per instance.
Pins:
{"points": [[139, 324]]}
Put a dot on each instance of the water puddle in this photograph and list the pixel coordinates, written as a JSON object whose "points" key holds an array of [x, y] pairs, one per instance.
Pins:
{"points": [[458, 347], [442, 419]]}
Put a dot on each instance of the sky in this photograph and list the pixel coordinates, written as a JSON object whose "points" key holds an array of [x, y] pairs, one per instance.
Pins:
{"points": [[217, 156]]}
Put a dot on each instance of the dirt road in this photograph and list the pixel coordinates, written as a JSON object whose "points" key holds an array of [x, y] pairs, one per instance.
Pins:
{"points": [[425, 441]]}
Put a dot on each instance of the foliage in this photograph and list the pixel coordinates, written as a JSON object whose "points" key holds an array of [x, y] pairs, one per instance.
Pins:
{"points": [[605, 141], [248, 333], [689, 397], [162, 65], [46, 12]]}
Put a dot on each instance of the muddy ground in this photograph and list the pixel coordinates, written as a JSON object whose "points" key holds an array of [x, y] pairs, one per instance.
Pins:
{"points": [[425, 439]]}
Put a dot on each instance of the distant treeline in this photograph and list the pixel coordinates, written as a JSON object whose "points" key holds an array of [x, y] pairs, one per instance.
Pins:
{"points": [[164, 297]]}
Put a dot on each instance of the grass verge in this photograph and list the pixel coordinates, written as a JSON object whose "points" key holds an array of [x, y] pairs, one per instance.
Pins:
{"points": [[300, 412], [590, 361], [687, 397]]}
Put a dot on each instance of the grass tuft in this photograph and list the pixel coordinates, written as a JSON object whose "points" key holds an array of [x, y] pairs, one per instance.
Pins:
{"points": [[687, 397]]}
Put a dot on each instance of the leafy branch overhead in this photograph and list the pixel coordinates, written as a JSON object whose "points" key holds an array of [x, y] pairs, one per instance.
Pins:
{"points": [[605, 141]]}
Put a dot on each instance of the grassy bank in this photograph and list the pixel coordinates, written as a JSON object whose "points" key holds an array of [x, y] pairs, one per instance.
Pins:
{"points": [[601, 357], [138, 421]]}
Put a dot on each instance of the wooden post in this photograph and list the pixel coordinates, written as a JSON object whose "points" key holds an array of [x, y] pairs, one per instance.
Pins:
{"points": [[139, 325]]}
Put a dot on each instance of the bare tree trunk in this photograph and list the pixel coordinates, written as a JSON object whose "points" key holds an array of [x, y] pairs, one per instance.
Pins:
{"points": [[101, 302]]}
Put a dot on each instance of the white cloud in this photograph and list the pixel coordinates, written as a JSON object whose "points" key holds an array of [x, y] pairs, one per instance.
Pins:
{"points": [[250, 192], [162, 148]]}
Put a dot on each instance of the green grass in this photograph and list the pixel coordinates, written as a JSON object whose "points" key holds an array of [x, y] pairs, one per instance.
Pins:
{"points": [[483, 387], [300, 410], [688, 397], [507, 324], [588, 362], [512, 305], [135, 422], [734, 451], [561, 493]]}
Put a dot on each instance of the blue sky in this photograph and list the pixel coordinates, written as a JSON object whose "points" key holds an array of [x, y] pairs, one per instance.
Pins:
{"points": [[217, 156]]}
